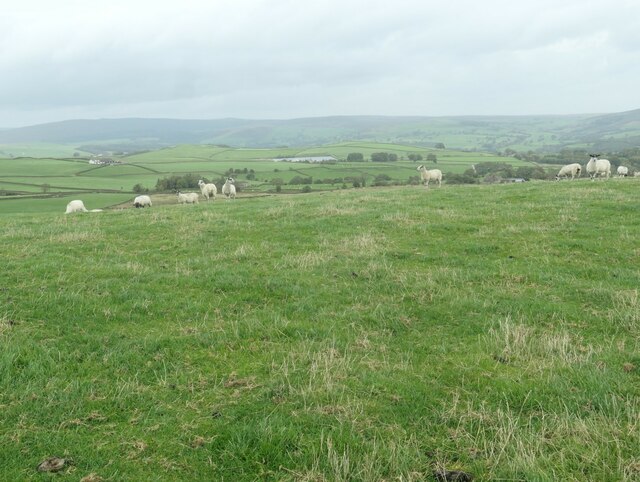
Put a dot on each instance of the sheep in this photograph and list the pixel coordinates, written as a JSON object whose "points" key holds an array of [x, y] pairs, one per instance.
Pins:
{"points": [[428, 175], [229, 190], [598, 167], [623, 171], [208, 190], [187, 198], [76, 206], [636, 174], [142, 201], [572, 170]]}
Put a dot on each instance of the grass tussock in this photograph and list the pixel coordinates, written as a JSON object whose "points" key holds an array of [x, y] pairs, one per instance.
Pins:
{"points": [[538, 349]]}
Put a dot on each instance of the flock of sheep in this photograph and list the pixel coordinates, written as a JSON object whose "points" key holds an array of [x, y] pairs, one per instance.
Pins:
{"points": [[596, 167], [208, 191]]}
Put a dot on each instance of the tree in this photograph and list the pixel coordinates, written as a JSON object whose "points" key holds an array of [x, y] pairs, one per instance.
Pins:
{"points": [[379, 157], [439, 145], [355, 157], [45, 187], [432, 158]]}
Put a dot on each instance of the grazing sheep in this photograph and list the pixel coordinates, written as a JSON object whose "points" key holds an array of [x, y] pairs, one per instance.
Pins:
{"points": [[187, 198], [572, 170], [142, 201], [229, 190], [598, 167], [76, 206], [430, 175], [623, 171], [636, 174], [208, 190]]}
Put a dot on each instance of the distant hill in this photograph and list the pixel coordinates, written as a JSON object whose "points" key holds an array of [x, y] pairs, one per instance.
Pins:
{"points": [[604, 132]]}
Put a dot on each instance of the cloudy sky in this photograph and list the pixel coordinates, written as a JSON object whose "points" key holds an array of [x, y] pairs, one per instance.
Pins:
{"points": [[288, 58]]}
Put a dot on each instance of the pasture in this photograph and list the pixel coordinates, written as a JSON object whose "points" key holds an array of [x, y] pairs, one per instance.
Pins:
{"points": [[45, 184], [362, 334]]}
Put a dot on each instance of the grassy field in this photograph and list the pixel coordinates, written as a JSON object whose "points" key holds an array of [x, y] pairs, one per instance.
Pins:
{"points": [[363, 334], [40, 184]]}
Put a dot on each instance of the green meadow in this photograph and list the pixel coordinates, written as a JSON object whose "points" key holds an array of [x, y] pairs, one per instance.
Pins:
{"points": [[47, 184], [349, 335]]}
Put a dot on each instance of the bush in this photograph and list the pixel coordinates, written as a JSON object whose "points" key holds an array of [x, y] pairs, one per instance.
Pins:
{"points": [[384, 157], [174, 183], [382, 180], [306, 189], [300, 180], [467, 178]]}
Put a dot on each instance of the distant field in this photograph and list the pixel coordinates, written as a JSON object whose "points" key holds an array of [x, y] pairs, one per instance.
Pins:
{"points": [[354, 335], [37, 149], [52, 177]]}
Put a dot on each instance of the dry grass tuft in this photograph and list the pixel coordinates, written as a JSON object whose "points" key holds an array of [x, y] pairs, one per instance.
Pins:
{"points": [[520, 343], [307, 260]]}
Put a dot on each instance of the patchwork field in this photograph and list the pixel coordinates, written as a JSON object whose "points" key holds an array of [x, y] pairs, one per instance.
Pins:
{"points": [[47, 184], [362, 334]]}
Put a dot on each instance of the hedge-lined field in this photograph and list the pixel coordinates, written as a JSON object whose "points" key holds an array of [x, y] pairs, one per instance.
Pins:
{"points": [[49, 179]]}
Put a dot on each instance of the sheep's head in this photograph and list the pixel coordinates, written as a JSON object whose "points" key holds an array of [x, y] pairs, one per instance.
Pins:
{"points": [[230, 180], [420, 168], [200, 182]]}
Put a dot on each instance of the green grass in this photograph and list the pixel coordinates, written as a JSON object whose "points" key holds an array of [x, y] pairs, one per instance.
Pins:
{"points": [[52, 177], [370, 334]]}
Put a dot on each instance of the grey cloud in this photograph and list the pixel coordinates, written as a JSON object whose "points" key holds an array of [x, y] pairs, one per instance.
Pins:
{"points": [[282, 58]]}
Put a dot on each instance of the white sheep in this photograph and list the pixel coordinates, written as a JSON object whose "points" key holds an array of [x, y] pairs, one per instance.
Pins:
{"points": [[208, 189], [636, 174], [76, 206], [623, 171], [598, 167], [142, 201], [572, 170], [430, 175], [187, 198], [229, 190]]}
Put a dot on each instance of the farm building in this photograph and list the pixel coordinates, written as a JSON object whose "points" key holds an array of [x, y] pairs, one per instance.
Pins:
{"points": [[306, 159]]}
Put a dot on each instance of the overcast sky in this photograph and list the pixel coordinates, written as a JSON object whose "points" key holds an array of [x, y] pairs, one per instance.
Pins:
{"points": [[197, 59]]}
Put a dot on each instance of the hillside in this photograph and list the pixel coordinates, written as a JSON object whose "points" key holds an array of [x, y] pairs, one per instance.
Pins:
{"points": [[352, 335], [603, 132]]}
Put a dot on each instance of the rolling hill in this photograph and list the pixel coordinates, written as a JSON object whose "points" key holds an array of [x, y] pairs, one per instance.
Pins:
{"points": [[487, 133]]}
